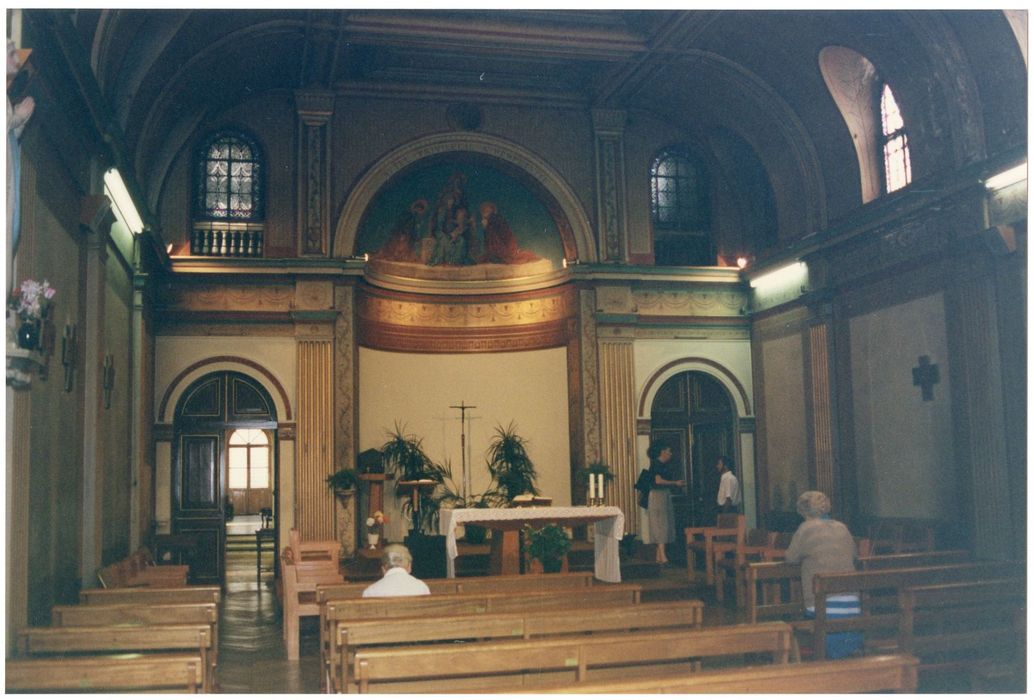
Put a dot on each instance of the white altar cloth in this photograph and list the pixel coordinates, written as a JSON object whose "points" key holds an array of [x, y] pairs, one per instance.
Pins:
{"points": [[608, 529]]}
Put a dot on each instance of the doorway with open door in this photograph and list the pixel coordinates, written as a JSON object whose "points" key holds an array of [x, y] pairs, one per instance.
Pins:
{"points": [[694, 414], [224, 466]]}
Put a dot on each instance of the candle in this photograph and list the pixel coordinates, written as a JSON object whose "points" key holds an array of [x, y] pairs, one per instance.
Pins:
{"points": [[601, 487], [592, 486]]}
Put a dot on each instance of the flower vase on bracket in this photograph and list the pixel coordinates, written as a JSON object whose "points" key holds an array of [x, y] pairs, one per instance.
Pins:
{"points": [[28, 335]]}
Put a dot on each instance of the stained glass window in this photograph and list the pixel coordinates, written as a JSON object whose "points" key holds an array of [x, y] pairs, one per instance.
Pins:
{"points": [[897, 165], [229, 181], [679, 210]]}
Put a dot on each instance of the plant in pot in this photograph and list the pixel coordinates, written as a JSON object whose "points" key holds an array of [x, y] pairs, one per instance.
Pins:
{"points": [[509, 464], [549, 545], [343, 480], [404, 457]]}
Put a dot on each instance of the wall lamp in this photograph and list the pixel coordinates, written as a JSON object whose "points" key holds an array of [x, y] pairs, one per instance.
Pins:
{"points": [[794, 273], [1008, 177], [116, 190]]}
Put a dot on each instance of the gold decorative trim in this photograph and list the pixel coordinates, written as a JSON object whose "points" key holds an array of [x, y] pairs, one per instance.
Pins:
{"points": [[442, 340]]}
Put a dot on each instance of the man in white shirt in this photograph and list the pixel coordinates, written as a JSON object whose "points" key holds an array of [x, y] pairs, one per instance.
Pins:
{"points": [[396, 565], [728, 488]]}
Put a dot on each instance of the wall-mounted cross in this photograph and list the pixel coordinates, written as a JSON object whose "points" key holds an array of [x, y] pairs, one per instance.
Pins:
{"points": [[925, 376]]}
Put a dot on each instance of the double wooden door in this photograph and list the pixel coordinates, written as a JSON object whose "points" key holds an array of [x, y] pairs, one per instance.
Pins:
{"points": [[213, 409]]}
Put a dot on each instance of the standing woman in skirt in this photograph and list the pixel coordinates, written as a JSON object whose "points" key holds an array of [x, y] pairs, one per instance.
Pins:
{"points": [[659, 511]]}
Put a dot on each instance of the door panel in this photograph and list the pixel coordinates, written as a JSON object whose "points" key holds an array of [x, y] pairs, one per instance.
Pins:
{"points": [[197, 502]]}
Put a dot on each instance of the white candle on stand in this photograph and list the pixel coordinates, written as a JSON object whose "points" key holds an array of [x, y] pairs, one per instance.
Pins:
{"points": [[592, 486], [601, 486]]}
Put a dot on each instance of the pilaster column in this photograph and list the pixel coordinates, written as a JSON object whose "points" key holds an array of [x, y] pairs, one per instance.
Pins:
{"points": [[314, 108], [618, 423], [611, 207], [583, 396], [96, 220], [821, 407], [314, 504], [345, 413], [979, 418]]}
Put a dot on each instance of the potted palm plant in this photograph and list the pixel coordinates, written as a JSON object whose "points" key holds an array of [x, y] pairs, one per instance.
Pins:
{"points": [[451, 497], [549, 545], [509, 464], [417, 479]]}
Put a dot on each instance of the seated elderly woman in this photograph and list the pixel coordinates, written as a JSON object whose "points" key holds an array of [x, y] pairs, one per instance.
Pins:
{"points": [[822, 545]]}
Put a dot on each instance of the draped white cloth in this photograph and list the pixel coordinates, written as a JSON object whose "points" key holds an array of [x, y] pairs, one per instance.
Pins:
{"points": [[608, 529]]}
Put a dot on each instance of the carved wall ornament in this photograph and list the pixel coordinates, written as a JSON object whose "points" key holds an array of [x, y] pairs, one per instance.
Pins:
{"points": [[218, 297], [690, 302]]}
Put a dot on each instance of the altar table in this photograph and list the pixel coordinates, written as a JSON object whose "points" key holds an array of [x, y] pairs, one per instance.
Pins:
{"points": [[506, 523]]}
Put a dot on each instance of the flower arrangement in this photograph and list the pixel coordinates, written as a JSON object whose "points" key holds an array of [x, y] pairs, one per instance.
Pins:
{"points": [[375, 528], [31, 301]]}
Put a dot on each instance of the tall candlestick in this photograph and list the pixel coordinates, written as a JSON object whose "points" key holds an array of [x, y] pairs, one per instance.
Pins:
{"points": [[592, 486], [602, 481]]}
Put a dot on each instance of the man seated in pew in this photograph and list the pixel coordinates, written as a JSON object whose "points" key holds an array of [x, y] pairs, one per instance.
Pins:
{"points": [[822, 545], [396, 579]]}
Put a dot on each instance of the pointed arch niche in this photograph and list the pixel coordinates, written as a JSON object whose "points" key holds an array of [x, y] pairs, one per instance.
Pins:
{"points": [[852, 81], [534, 172]]}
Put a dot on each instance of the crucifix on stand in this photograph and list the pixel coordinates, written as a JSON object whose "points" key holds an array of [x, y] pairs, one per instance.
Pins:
{"points": [[463, 446]]}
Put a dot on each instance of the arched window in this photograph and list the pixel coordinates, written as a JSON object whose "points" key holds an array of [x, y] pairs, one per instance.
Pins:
{"points": [[897, 167], [248, 459], [679, 209], [229, 197]]}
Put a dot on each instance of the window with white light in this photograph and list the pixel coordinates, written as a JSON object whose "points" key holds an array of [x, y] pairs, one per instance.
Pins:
{"points": [[897, 165], [229, 179], [679, 209], [248, 459]]}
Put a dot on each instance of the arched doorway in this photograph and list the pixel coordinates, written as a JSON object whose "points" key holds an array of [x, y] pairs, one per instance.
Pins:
{"points": [[220, 419], [693, 412]]}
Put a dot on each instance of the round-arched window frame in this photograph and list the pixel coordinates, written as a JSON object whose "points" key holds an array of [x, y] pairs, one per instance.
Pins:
{"points": [[229, 179]]}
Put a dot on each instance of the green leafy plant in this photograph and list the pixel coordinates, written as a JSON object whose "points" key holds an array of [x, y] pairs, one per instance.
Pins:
{"points": [[582, 474], [343, 480], [404, 457], [509, 464], [548, 544]]}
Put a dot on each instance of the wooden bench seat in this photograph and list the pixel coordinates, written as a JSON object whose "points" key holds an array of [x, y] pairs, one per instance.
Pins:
{"points": [[879, 597], [971, 626], [334, 611], [150, 595], [139, 614], [471, 584], [874, 674], [139, 569], [502, 665], [50, 641], [145, 673], [300, 579], [351, 636]]}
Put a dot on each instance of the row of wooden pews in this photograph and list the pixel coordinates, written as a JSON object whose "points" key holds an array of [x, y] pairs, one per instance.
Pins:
{"points": [[139, 569], [562, 633], [944, 608], [123, 639]]}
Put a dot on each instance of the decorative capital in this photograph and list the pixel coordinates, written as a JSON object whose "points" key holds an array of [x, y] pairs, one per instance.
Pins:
{"points": [[95, 213], [314, 106], [609, 121]]}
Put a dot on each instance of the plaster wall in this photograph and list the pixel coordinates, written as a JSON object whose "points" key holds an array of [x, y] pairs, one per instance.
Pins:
{"points": [[416, 391], [903, 445], [786, 430]]}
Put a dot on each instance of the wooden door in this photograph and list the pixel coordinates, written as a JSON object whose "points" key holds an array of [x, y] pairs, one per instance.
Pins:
{"points": [[210, 410]]}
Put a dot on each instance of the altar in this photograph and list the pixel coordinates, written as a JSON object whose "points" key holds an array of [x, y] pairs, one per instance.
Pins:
{"points": [[506, 523]]}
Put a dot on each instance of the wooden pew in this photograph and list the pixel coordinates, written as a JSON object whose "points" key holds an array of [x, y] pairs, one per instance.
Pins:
{"points": [[300, 579], [139, 614], [879, 616], [138, 569], [145, 673], [49, 641], [729, 527], [973, 626], [334, 611], [773, 588], [150, 596], [470, 584], [350, 636], [868, 675], [914, 559], [500, 665]]}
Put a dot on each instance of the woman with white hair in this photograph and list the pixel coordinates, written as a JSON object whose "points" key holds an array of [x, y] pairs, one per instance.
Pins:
{"points": [[396, 565], [822, 545]]}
